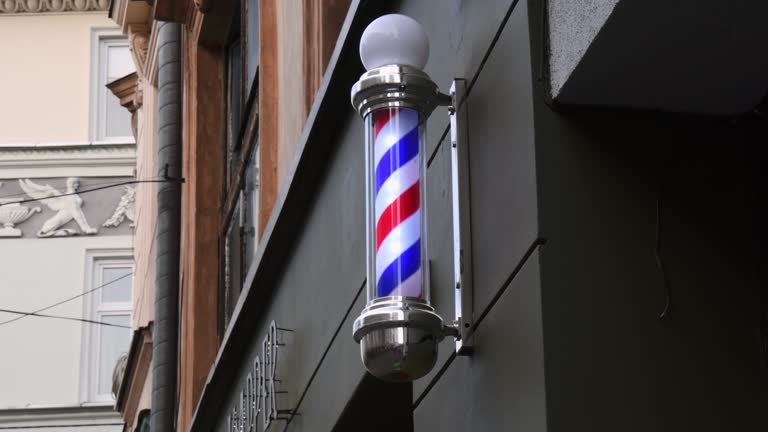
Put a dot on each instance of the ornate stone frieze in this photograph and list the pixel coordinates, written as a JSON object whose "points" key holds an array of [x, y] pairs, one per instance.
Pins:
{"points": [[125, 209], [68, 206], [56, 6]]}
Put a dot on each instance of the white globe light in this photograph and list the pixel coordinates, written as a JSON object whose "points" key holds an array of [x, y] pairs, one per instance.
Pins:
{"points": [[394, 39]]}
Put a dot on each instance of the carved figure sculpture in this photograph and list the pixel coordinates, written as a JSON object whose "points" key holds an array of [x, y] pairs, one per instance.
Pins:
{"points": [[125, 209], [67, 206]]}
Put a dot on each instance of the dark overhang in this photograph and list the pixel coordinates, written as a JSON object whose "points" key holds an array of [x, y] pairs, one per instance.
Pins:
{"points": [[696, 56]]}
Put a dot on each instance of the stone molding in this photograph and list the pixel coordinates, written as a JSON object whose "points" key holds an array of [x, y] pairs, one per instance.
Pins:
{"points": [[139, 39], [137, 368], [32, 153], [8, 7], [32, 160]]}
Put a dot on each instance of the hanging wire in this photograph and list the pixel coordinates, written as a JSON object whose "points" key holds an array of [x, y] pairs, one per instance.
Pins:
{"points": [[34, 313], [83, 425], [84, 191], [22, 194], [660, 263], [10, 311]]}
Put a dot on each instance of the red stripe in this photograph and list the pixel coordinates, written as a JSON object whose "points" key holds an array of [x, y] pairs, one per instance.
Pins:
{"points": [[404, 206], [381, 118]]}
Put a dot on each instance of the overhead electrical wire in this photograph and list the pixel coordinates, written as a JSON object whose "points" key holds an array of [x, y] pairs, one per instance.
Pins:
{"points": [[22, 194], [36, 312], [84, 191], [10, 311], [83, 425]]}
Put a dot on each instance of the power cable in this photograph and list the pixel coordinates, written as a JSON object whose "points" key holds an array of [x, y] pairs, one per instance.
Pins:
{"points": [[67, 299], [63, 318], [80, 192], [60, 426], [22, 193]]}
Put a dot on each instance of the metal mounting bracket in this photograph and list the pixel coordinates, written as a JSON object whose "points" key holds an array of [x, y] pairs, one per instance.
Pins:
{"points": [[462, 235]]}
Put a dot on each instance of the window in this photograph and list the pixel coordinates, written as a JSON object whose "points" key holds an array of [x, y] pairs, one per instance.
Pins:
{"points": [[109, 300], [234, 104], [251, 25], [239, 237], [111, 59]]}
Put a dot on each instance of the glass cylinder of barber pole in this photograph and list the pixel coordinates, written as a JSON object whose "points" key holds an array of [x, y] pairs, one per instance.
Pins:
{"points": [[396, 205], [398, 330]]}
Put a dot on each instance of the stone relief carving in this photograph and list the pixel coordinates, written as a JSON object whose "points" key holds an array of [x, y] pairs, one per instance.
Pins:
{"points": [[68, 206], [139, 38], [125, 209], [40, 6], [13, 213]]}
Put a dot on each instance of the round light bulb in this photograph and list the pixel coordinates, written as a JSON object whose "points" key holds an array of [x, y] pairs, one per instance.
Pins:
{"points": [[394, 39]]}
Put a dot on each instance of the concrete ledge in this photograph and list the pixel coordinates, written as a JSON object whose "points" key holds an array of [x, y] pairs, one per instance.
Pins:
{"points": [[695, 56]]}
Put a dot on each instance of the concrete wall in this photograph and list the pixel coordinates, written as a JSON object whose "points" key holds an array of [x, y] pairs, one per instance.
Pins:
{"points": [[45, 83], [41, 357], [611, 363], [567, 288], [45, 65], [146, 210], [501, 386], [317, 287]]}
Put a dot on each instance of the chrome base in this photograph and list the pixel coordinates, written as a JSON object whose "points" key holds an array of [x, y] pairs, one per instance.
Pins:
{"points": [[398, 337]]}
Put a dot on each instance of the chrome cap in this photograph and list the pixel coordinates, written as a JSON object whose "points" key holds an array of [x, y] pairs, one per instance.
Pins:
{"points": [[396, 86]]}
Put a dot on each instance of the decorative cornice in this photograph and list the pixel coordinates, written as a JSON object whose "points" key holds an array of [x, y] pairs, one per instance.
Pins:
{"points": [[85, 160], [20, 154], [126, 89], [8, 7], [138, 35]]}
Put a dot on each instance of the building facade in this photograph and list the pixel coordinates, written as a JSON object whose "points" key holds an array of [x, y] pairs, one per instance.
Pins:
{"points": [[67, 158], [615, 212]]}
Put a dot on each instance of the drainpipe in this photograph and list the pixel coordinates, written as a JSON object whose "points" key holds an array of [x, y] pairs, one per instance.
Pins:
{"points": [[166, 322]]}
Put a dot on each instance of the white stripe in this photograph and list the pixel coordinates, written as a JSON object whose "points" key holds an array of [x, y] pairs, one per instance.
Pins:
{"points": [[398, 240], [397, 127], [411, 287], [395, 185]]}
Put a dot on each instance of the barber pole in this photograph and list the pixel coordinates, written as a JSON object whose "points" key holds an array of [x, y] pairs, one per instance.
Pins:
{"points": [[399, 330], [397, 165]]}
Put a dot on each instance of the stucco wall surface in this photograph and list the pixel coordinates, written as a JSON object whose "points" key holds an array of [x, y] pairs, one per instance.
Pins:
{"points": [[44, 76], [40, 362]]}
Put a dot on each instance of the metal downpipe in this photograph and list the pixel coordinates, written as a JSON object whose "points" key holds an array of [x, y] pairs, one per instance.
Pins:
{"points": [[166, 320]]}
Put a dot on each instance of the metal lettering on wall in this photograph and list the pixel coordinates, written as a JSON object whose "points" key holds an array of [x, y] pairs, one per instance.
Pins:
{"points": [[259, 395]]}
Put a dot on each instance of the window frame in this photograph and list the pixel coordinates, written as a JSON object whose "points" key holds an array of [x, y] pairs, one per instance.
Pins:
{"points": [[98, 93], [93, 309], [241, 146]]}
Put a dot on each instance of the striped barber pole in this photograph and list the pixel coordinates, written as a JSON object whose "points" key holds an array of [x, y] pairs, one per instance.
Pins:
{"points": [[397, 208]]}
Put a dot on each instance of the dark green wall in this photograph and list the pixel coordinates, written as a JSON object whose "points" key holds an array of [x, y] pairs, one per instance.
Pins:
{"points": [[611, 363], [569, 337]]}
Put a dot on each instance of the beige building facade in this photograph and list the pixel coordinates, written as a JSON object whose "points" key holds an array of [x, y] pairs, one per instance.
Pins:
{"points": [[67, 193]]}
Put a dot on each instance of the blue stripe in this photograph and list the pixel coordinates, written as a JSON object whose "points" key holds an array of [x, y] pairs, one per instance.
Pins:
{"points": [[398, 155], [401, 269]]}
